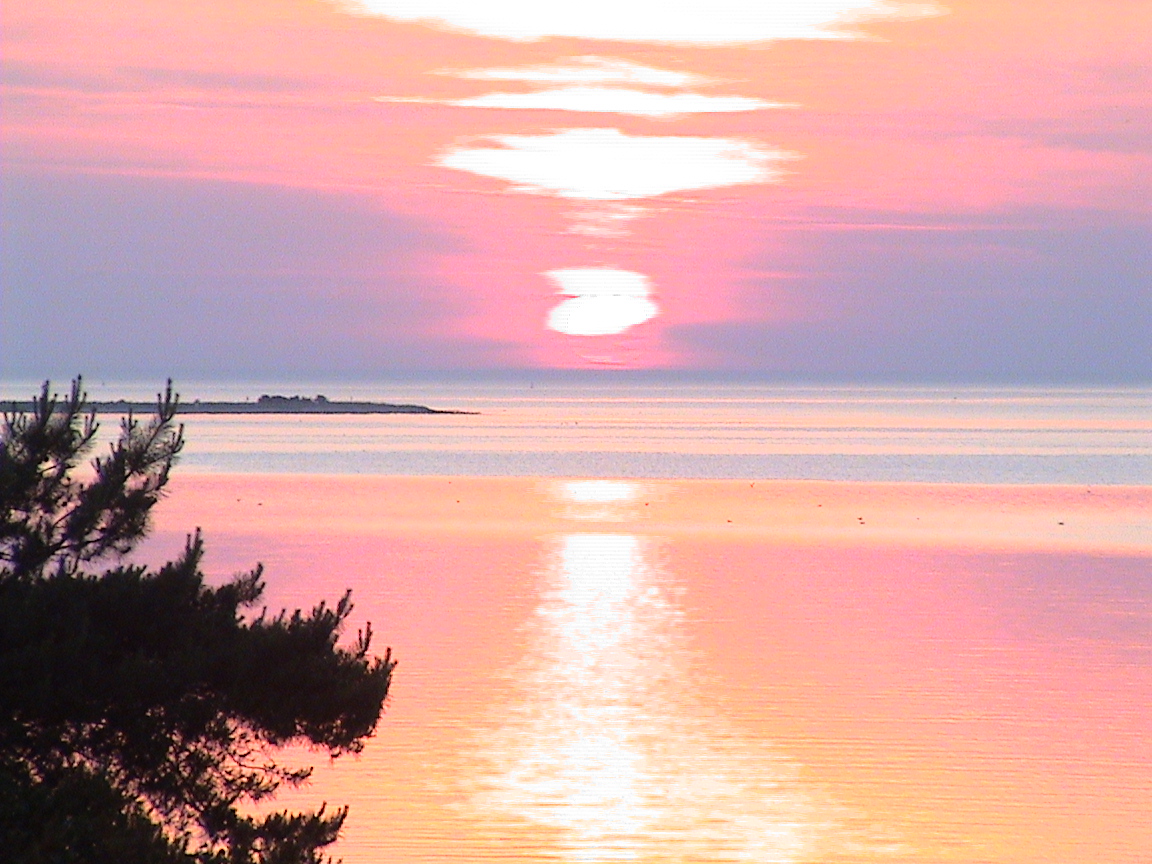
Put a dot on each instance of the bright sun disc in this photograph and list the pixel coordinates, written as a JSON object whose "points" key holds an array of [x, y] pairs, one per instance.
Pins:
{"points": [[601, 301]]}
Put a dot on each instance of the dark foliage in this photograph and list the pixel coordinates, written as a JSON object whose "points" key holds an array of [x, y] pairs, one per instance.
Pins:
{"points": [[49, 516], [140, 710]]}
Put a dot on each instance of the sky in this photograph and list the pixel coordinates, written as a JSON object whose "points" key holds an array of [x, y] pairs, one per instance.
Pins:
{"points": [[842, 190]]}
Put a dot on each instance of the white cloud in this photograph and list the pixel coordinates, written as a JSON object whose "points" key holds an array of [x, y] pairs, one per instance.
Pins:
{"points": [[604, 100], [585, 93], [615, 100], [607, 165], [601, 301], [585, 70], [706, 22]]}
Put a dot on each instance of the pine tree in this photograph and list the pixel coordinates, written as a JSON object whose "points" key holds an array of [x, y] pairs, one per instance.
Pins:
{"points": [[141, 709]]}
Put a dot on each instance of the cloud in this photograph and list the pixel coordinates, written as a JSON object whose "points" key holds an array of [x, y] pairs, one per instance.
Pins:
{"points": [[705, 22], [605, 100], [609, 100], [607, 165], [588, 69], [585, 93], [601, 301]]}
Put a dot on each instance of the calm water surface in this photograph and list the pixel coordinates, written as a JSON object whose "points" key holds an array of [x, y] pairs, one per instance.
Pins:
{"points": [[612, 671], [679, 431], [747, 668]]}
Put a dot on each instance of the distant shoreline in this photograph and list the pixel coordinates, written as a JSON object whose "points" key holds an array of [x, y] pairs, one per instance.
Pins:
{"points": [[263, 405]]}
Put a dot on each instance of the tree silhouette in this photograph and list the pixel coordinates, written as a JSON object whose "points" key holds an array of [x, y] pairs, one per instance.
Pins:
{"points": [[141, 710]]}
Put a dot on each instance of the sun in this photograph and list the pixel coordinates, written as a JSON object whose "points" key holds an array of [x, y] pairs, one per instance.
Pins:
{"points": [[601, 301]]}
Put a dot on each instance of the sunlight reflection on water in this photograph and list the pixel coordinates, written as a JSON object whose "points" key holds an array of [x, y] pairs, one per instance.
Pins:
{"points": [[607, 742], [605, 670]]}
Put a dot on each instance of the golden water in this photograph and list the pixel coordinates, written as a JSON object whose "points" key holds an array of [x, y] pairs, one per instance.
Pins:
{"points": [[686, 671]]}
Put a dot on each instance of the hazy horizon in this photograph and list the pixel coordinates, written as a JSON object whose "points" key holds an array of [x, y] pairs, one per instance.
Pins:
{"points": [[22, 386]]}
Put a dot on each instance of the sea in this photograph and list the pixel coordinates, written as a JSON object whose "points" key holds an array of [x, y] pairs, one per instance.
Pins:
{"points": [[667, 621]]}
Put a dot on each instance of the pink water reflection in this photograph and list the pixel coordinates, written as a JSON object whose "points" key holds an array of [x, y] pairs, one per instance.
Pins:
{"points": [[611, 671]]}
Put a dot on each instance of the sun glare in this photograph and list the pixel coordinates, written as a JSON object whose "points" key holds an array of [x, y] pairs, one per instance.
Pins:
{"points": [[601, 301], [631, 768], [599, 491], [607, 165]]}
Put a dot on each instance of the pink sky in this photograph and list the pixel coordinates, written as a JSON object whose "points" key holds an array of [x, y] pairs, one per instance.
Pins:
{"points": [[956, 192]]}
